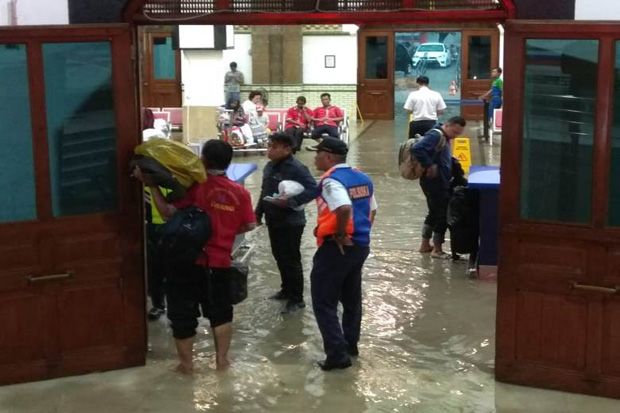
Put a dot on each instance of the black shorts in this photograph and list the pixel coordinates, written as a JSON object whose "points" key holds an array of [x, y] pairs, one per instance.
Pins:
{"points": [[194, 291]]}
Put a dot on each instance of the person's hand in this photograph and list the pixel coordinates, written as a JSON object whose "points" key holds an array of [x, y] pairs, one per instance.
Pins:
{"points": [[281, 201], [144, 178], [341, 242], [431, 172]]}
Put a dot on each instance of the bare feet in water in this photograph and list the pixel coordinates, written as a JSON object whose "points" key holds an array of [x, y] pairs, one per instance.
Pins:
{"points": [[183, 369], [424, 249], [222, 364]]}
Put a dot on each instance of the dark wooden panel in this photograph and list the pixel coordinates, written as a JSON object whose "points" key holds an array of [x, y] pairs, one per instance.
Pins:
{"points": [[92, 317], [551, 330], [611, 337]]}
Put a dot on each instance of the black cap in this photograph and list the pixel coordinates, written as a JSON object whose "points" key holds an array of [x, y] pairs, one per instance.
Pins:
{"points": [[281, 137], [333, 145]]}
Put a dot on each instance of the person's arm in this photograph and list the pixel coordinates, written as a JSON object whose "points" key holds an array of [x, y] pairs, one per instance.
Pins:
{"points": [[259, 211], [165, 209], [316, 114], [424, 150], [310, 191], [249, 219], [339, 115], [291, 118], [486, 95], [441, 106], [373, 209], [241, 78], [408, 106]]}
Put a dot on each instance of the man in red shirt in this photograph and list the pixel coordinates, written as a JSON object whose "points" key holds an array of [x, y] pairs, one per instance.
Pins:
{"points": [[297, 123], [205, 286], [326, 118]]}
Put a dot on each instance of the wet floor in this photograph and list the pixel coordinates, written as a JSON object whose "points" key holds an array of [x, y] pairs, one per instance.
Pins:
{"points": [[427, 340]]}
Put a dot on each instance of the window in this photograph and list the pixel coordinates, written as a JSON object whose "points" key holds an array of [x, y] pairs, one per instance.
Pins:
{"points": [[164, 60], [614, 169], [376, 57], [17, 178], [479, 61], [81, 127], [558, 127]]}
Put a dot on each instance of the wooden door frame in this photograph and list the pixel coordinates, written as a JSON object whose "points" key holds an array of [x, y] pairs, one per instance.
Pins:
{"points": [[127, 215], [477, 86], [513, 227], [147, 34], [361, 62]]}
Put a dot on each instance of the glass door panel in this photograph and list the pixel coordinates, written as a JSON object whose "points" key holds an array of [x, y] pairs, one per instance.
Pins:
{"points": [[81, 127], [17, 178], [614, 169], [376, 57], [558, 128]]}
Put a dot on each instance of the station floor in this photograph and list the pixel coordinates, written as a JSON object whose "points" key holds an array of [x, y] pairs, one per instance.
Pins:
{"points": [[428, 333]]}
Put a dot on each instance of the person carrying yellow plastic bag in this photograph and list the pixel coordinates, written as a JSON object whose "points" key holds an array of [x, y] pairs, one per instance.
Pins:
{"points": [[171, 164]]}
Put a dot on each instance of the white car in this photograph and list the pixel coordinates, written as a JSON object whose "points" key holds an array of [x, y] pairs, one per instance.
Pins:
{"points": [[436, 53]]}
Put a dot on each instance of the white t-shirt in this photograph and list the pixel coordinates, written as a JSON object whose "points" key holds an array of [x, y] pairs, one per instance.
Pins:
{"points": [[249, 108], [336, 195], [424, 103]]}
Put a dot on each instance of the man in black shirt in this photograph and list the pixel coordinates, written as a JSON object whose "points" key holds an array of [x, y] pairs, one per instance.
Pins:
{"points": [[285, 217]]}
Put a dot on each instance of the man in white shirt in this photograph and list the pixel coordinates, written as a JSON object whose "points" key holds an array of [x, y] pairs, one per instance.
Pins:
{"points": [[426, 105]]}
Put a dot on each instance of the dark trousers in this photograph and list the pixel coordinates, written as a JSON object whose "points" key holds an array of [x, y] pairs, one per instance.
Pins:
{"points": [[154, 266], [285, 245], [420, 127], [195, 290], [298, 136], [437, 198], [330, 130], [336, 277]]}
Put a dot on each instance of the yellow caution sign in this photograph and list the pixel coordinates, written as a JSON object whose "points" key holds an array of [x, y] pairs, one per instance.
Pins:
{"points": [[462, 151]]}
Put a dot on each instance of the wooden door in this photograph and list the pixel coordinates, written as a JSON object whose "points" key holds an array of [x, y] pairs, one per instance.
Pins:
{"points": [[480, 54], [558, 312], [375, 73], [161, 70], [71, 272]]}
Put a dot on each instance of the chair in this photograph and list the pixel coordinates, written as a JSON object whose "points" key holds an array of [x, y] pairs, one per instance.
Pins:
{"points": [[274, 121], [176, 118]]}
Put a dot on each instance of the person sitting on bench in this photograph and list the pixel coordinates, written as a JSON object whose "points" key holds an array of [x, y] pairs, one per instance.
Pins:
{"points": [[326, 118]]}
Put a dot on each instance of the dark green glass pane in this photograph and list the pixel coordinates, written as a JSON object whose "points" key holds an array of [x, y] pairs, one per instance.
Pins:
{"points": [[479, 62], [164, 62], [81, 127], [614, 170], [17, 180], [558, 127], [376, 58]]}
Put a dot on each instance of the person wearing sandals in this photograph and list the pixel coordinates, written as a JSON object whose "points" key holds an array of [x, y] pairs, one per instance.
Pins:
{"points": [[435, 183]]}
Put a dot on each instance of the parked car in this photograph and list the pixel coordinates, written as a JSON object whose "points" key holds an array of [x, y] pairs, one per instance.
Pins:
{"points": [[432, 53]]}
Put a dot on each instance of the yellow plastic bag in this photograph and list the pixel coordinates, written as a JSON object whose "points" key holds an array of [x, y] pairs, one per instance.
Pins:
{"points": [[178, 158]]}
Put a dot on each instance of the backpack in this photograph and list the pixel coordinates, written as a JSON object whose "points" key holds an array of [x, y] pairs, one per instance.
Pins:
{"points": [[184, 236], [409, 167]]}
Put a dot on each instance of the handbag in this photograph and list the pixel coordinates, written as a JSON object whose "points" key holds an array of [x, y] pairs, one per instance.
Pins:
{"points": [[238, 274]]}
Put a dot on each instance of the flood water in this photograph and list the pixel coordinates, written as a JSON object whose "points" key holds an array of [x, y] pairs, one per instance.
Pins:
{"points": [[427, 343]]}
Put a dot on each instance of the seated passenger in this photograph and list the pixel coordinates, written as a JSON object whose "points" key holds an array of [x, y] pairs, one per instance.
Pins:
{"points": [[249, 106], [298, 120], [326, 118]]}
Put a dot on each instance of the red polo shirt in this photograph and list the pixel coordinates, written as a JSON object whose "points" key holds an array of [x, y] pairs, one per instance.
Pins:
{"points": [[331, 111], [229, 206], [297, 114]]}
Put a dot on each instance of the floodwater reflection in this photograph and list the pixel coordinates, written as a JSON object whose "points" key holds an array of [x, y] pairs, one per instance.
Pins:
{"points": [[427, 343]]}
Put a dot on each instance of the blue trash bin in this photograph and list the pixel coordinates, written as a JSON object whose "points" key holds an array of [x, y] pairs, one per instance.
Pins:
{"points": [[486, 180]]}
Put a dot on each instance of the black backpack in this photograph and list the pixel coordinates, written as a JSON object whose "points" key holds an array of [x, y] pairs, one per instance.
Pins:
{"points": [[184, 236]]}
